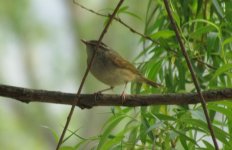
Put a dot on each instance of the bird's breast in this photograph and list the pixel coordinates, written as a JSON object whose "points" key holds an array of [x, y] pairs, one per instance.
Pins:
{"points": [[105, 71]]}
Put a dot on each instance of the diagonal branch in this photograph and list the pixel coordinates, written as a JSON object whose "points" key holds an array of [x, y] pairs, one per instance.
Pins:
{"points": [[192, 72], [90, 100], [76, 99]]}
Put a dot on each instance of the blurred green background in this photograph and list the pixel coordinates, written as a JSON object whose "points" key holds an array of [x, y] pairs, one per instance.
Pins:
{"points": [[40, 48]]}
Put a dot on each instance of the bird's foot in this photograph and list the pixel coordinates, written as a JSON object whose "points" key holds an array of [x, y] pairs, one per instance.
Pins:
{"points": [[123, 97], [97, 96], [83, 106]]}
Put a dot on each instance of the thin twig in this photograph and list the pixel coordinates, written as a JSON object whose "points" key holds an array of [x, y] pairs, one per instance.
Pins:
{"points": [[195, 80], [119, 20], [27, 95], [76, 100], [204, 63]]}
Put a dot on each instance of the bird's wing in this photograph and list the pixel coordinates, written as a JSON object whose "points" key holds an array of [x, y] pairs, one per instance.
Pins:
{"points": [[121, 62]]}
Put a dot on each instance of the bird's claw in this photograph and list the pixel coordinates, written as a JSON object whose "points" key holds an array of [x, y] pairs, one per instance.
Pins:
{"points": [[123, 97], [97, 96]]}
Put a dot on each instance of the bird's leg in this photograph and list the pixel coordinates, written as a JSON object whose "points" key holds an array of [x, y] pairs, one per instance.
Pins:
{"points": [[97, 94], [110, 88], [123, 95]]}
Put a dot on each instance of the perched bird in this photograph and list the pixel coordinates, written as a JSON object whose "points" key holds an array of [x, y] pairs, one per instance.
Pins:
{"points": [[111, 68]]}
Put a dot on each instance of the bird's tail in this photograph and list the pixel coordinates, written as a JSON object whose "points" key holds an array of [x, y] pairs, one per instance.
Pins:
{"points": [[149, 82]]}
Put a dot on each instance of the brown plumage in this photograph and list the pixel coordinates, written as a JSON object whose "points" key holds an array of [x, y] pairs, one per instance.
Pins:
{"points": [[111, 68]]}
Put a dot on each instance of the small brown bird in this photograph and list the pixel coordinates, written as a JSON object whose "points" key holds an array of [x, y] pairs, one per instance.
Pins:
{"points": [[111, 68]]}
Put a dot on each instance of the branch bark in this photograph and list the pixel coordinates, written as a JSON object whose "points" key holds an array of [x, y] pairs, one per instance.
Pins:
{"points": [[27, 95]]}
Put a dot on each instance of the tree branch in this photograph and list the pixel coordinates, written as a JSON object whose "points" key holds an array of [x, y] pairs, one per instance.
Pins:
{"points": [[90, 100]]}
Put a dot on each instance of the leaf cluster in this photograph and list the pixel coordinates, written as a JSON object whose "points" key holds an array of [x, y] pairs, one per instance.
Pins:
{"points": [[206, 29]]}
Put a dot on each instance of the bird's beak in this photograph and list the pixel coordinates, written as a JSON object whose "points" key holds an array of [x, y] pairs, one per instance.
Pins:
{"points": [[85, 42]]}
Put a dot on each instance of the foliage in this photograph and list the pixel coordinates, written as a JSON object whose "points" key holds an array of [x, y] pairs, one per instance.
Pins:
{"points": [[206, 28]]}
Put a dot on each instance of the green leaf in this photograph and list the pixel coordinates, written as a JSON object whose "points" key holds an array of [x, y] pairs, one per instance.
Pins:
{"points": [[165, 117], [218, 8], [176, 18], [133, 15], [183, 135], [67, 148], [200, 31], [221, 70], [147, 126], [183, 141], [208, 145], [124, 10], [221, 109], [205, 21], [110, 126], [227, 41], [114, 140], [55, 135], [143, 129], [132, 139], [165, 34], [220, 134]]}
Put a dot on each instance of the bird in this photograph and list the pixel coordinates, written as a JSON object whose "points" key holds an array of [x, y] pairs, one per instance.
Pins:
{"points": [[111, 68]]}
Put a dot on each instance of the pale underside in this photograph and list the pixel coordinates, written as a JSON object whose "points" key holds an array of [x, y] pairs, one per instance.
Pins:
{"points": [[114, 71], [114, 77]]}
